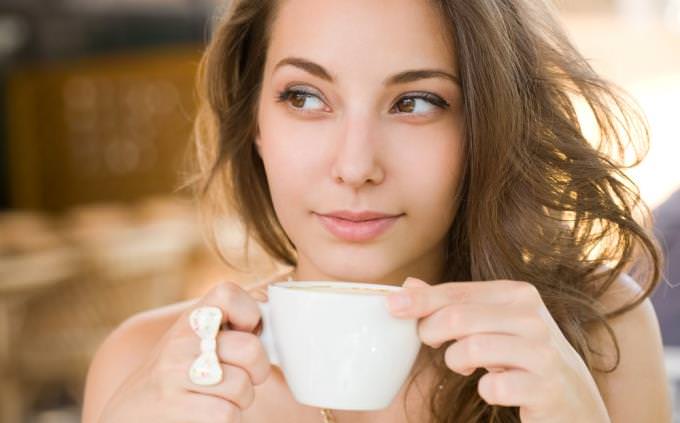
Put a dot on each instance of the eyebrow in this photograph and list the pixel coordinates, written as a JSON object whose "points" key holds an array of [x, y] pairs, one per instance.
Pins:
{"points": [[399, 78]]}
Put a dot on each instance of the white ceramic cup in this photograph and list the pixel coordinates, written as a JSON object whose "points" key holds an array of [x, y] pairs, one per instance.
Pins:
{"points": [[338, 349]]}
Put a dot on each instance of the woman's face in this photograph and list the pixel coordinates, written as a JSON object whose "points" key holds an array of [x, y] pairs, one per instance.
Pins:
{"points": [[338, 132]]}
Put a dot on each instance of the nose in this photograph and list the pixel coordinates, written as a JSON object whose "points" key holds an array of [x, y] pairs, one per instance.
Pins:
{"points": [[357, 156]]}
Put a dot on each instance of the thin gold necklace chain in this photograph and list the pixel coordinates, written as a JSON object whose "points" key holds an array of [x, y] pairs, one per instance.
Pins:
{"points": [[328, 416]]}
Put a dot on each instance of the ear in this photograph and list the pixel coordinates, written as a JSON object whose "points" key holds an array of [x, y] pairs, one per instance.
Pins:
{"points": [[257, 142]]}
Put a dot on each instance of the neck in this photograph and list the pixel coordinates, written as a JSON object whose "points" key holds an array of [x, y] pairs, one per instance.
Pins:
{"points": [[429, 267]]}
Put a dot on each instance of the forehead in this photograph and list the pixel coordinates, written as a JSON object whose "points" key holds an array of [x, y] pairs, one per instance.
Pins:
{"points": [[360, 36]]}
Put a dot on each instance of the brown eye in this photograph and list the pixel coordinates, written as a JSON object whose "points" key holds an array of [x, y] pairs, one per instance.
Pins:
{"points": [[408, 105], [421, 104], [298, 100], [301, 100]]}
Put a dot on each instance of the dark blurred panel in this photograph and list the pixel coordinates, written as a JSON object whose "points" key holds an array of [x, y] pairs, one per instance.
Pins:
{"points": [[99, 98], [4, 164], [50, 29], [113, 127]]}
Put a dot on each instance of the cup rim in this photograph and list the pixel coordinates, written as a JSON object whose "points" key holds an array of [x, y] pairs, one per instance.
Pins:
{"points": [[282, 285]]}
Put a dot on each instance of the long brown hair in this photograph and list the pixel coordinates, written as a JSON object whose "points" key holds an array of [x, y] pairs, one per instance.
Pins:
{"points": [[538, 201]]}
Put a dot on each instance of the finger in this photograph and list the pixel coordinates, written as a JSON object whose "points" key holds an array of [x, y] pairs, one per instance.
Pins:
{"points": [[413, 282], [235, 387], [237, 348], [462, 320], [259, 294], [495, 351], [246, 351], [239, 309], [421, 301], [201, 408], [512, 388]]}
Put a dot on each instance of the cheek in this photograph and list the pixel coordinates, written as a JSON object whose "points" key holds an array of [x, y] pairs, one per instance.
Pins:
{"points": [[439, 210], [286, 190], [290, 153], [289, 145], [433, 170], [284, 176], [435, 203]]}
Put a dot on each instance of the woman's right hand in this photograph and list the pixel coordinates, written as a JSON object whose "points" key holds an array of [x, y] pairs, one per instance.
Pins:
{"points": [[161, 391]]}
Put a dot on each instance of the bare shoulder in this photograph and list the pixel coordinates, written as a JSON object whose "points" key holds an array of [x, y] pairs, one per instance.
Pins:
{"points": [[127, 347], [122, 352], [641, 368]]}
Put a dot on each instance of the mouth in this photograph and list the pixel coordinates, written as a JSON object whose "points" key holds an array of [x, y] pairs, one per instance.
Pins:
{"points": [[357, 230]]}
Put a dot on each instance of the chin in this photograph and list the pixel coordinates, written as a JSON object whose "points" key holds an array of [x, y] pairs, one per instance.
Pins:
{"points": [[352, 269]]}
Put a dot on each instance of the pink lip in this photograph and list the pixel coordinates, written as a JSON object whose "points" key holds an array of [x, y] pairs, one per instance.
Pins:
{"points": [[356, 231], [358, 215]]}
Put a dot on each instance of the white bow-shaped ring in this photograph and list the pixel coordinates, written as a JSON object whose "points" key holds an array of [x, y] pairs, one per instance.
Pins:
{"points": [[206, 369]]}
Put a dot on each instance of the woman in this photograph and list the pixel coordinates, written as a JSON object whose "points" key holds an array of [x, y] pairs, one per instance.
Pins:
{"points": [[452, 122]]}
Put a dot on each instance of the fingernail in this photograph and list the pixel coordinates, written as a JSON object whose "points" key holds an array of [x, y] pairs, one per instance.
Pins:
{"points": [[399, 302], [259, 296], [414, 281]]}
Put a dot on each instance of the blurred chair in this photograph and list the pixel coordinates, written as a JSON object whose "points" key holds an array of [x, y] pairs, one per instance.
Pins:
{"points": [[32, 260], [127, 260], [666, 297], [673, 369], [126, 268]]}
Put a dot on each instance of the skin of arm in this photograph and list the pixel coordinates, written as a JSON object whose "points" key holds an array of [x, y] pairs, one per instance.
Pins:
{"points": [[122, 352], [637, 391]]}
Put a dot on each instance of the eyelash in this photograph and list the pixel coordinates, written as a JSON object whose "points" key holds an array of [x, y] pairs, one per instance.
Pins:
{"points": [[285, 95]]}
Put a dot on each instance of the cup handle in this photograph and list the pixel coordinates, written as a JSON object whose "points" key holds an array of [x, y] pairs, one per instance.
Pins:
{"points": [[266, 336]]}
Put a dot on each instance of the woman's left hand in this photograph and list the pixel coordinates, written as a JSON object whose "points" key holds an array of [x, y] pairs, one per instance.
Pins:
{"points": [[504, 327]]}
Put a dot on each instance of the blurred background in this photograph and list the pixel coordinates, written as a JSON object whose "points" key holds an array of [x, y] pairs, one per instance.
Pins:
{"points": [[95, 116]]}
